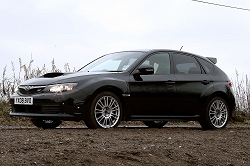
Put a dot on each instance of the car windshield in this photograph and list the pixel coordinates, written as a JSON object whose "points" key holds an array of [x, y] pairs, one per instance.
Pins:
{"points": [[115, 62]]}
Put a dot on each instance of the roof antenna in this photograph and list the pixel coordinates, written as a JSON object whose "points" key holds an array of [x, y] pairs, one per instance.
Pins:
{"points": [[181, 48]]}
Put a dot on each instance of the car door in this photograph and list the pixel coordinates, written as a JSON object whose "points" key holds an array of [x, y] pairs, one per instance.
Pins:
{"points": [[192, 84], [150, 95]]}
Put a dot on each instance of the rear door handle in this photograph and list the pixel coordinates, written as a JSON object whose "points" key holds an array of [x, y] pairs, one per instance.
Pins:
{"points": [[170, 82], [205, 82]]}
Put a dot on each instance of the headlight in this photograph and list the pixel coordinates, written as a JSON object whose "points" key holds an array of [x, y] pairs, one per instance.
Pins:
{"points": [[58, 88]]}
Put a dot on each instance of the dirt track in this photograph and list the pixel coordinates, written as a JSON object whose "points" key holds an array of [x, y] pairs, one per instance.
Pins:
{"points": [[171, 145]]}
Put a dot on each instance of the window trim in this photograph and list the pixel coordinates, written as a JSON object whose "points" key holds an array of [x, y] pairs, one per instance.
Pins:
{"points": [[189, 55], [203, 66]]}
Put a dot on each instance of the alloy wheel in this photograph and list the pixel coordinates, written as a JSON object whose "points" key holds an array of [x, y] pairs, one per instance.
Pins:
{"points": [[218, 113], [107, 111]]}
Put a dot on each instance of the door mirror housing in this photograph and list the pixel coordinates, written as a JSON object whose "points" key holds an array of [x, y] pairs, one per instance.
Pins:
{"points": [[145, 70]]}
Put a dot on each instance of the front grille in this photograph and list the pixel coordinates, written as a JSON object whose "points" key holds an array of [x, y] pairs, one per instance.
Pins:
{"points": [[26, 109], [45, 109], [30, 89], [50, 109]]}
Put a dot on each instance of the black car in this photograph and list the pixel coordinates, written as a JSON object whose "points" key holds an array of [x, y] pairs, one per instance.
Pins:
{"points": [[152, 86]]}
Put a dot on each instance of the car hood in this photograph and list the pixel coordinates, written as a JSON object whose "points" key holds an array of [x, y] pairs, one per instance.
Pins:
{"points": [[53, 78]]}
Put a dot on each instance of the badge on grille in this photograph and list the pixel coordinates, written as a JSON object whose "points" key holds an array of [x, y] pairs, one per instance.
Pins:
{"points": [[27, 88]]}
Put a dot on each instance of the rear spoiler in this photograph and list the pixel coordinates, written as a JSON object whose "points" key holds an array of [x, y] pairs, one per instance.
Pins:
{"points": [[214, 60]]}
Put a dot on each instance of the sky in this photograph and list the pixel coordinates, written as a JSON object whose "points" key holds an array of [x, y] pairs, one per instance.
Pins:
{"points": [[78, 31]]}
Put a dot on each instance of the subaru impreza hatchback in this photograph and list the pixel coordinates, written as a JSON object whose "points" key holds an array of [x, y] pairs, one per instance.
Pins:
{"points": [[152, 86]]}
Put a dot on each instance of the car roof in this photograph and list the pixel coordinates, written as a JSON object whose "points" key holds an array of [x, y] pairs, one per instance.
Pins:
{"points": [[210, 59], [165, 50]]}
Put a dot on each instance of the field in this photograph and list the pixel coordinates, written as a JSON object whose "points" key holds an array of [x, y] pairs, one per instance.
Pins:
{"points": [[180, 144]]}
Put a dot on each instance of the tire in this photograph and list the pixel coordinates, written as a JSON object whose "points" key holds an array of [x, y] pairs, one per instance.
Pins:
{"points": [[105, 111], [46, 124], [155, 124], [216, 114]]}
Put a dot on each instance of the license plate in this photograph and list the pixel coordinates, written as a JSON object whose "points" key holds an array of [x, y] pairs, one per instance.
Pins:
{"points": [[24, 100]]}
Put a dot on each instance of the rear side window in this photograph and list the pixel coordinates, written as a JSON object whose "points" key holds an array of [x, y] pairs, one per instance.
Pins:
{"points": [[186, 64], [208, 67]]}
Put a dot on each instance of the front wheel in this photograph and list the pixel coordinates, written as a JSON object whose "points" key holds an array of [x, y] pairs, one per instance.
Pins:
{"points": [[46, 124], [105, 111], [216, 114], [155, 124]]}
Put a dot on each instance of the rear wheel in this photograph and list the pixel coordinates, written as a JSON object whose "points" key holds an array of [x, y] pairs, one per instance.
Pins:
{"points": [[105, 111], [216, 114], [155, 124], [46, 124]]}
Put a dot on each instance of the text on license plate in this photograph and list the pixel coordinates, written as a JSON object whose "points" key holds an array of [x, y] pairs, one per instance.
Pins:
{"points": [[24, 100]]}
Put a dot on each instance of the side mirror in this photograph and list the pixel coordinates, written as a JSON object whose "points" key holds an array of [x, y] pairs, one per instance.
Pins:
{"points": [[145, 70]]}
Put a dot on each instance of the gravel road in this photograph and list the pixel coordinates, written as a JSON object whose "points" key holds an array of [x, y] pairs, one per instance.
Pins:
{"points": [[125, 145]]}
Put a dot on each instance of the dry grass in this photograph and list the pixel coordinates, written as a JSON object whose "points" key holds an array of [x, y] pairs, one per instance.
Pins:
{"points": [[8, 84], [242, 92]]}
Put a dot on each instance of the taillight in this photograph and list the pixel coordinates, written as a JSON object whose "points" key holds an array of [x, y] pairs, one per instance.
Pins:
{"points": [[230, 84]]}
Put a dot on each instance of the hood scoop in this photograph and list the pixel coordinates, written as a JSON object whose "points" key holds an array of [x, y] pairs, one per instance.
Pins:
{"points": [[52, 75]]}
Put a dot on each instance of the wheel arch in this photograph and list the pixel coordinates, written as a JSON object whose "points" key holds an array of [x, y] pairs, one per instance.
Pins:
{"points": [[224, 96], [113, 89]]}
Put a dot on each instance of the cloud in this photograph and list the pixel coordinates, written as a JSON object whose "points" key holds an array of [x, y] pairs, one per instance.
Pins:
{"points": [[113, 16]]}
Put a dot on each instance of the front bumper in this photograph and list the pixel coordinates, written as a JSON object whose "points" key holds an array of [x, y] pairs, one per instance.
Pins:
{"points": [[65, 106]]}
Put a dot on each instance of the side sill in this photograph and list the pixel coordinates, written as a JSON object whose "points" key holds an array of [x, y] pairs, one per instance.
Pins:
{"points": [[165, 118]]}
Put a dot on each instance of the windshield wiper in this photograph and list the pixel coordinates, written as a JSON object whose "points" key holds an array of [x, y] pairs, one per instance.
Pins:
{"points": [[114, 71], [106, 71]]}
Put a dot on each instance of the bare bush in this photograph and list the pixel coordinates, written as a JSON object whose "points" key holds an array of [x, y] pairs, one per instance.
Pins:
{"points": [[9, 84], [242, 93], [5, 86]]}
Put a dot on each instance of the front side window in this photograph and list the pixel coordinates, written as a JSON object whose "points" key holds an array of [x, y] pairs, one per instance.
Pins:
{"points": [[160, 62], [114, 62], [186, 64]]}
